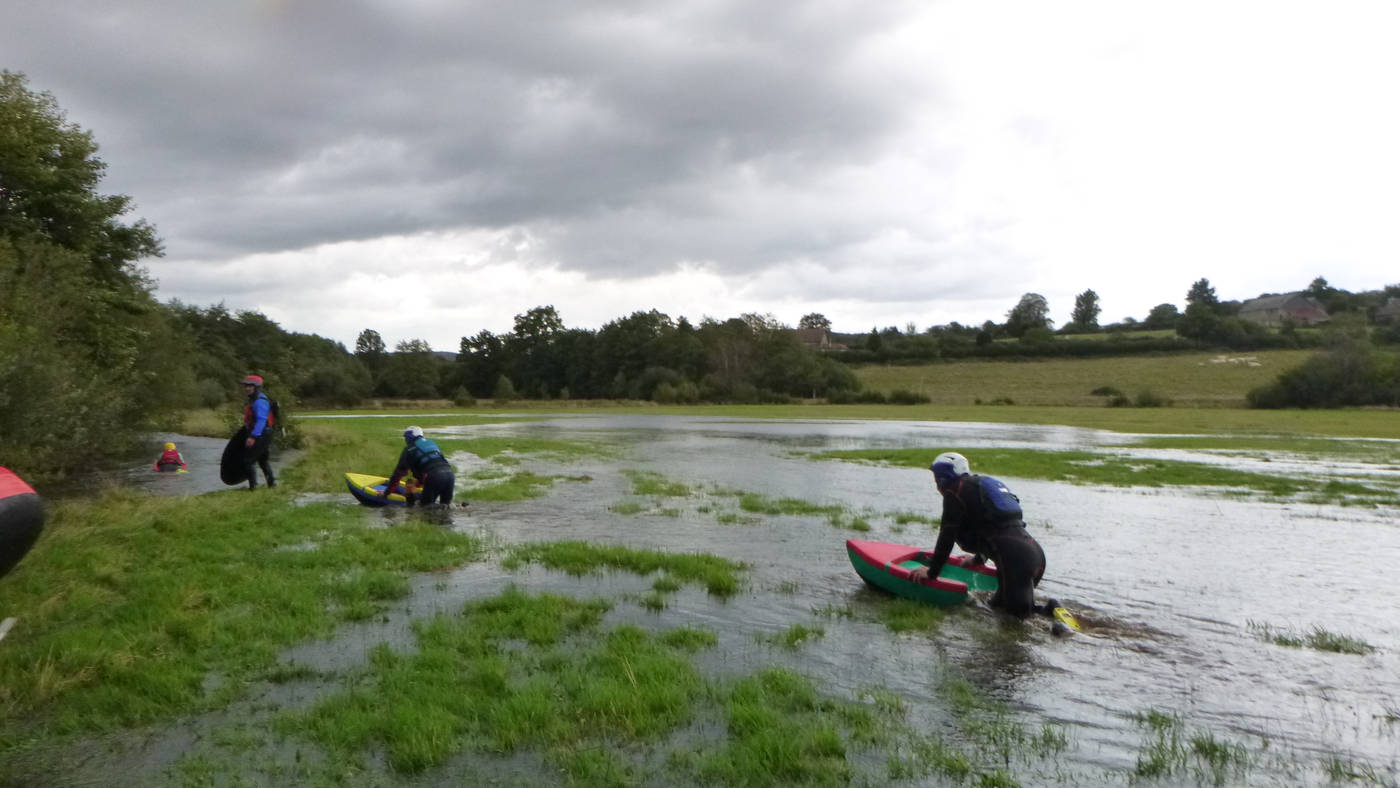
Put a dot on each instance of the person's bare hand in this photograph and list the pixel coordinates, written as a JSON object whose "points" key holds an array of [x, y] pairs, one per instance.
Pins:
{"points": [[919, 575]]}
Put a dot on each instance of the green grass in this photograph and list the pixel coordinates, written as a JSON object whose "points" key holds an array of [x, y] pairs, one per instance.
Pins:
{"points": [[468, 687], [719, 576], [1119, 470], [517, 487], [129, 602], [907, 615], [1315, 638], [501, 448], [1171, 750], [793, 636], [651, 483], [1190, 379]]}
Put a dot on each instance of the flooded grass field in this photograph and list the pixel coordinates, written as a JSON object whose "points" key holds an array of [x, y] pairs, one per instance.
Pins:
{"points": [[660, 600]]}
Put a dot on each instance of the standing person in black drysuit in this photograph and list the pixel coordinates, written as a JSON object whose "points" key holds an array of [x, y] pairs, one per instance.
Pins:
{"points": [[984, 518], [257, 419], [425, 461]]}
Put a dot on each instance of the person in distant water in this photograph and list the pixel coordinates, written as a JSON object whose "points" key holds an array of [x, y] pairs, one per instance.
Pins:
{"points": [[422, 458], [983, 517], [257, 418], [170, 460]]}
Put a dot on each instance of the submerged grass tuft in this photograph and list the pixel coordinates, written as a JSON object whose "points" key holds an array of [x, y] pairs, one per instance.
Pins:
{"points": [[793, 636], [720, 576], [1169, 751], [907, 615], [1315, 638]]}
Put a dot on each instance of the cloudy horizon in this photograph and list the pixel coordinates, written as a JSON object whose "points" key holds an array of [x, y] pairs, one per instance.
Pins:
{"points": [[429, 169]]}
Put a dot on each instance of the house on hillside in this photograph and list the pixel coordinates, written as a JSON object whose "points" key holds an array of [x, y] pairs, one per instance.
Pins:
{"points": [[1273, 310], [817, 339], [1389, 312]]}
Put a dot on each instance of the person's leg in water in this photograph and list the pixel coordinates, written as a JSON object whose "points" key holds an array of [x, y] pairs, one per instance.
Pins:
{"points": [[1020, 564], [438, 487]]}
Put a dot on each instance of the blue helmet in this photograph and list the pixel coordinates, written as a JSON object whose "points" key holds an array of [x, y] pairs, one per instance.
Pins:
{"points": [[412, 434]]}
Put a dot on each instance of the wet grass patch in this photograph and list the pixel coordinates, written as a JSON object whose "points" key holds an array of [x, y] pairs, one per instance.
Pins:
{"points": [[836, 515], [649, 483], [1315, 638], [505, 449], [129, 605], [1370, 451], [719, 576], [792, 637], [520, 674], [516, 487], [1172, 751], [907, 615], [1106, 468]]}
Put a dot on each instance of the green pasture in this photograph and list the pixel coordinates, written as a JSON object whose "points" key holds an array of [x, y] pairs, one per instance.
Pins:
{"points": [[1186, 380]]}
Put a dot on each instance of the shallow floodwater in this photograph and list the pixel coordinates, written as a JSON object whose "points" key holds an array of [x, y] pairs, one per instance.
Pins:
{"points": [[1171, 585]]}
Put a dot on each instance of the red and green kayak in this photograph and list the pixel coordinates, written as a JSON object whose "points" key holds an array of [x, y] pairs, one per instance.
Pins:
{"points": [[886, 566]]}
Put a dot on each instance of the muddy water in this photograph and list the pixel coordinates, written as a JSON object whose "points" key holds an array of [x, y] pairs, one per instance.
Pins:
{"points": [[1167, 583]]}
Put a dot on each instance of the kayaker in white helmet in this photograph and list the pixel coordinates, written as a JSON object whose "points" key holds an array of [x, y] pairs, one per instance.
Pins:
{"points": [[984, 517]]}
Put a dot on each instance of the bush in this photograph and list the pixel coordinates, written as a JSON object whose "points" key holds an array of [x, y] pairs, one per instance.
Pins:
{"points": [[856, 398], [504, 390], [1106, 391], [906, 397], [463, 398], [1147, 398], [1350, 373]]}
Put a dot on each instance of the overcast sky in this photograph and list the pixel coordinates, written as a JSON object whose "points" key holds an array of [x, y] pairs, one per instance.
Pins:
{"points": [[432, 168]]}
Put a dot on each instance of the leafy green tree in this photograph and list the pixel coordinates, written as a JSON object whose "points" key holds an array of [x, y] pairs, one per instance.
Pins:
{"points": [[1086, 310], [1320, 290], [88, 359], [1032, 311], [1202, 293], [480, 361], [814, 320], [1162, 316], [49, 178], [413, 371], [369, 344]]}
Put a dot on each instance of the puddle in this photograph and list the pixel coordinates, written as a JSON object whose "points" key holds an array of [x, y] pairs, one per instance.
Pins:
{"points": [[1166, 583]]}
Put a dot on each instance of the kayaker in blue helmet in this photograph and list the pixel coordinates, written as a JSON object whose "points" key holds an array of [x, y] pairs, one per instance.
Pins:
{"points": [[983, 517], [425, 461]]}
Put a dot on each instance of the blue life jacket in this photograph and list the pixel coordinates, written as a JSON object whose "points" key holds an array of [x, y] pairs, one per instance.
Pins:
{"points": [[424, 455], [999, 504]]}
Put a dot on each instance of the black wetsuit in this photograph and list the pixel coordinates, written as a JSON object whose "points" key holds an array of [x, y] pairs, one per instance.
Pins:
{"points": [[971, 522], [426, 462]]}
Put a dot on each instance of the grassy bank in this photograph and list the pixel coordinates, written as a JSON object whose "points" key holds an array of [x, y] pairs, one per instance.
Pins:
{"points": [[128, 604]]}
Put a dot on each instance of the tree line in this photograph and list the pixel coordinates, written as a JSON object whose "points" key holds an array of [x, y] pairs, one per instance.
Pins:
{"points": [[1207, 323], [91, 361]]}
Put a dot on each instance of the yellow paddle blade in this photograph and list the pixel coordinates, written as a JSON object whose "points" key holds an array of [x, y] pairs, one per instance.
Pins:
{"points": [[1065, 617]]}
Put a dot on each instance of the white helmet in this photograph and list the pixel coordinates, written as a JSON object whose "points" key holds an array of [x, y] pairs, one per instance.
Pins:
{"points": [[412, 434], [947, 467]]}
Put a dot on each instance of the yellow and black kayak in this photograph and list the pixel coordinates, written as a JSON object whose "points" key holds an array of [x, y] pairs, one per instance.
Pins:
{"points": [[369, 490]]}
